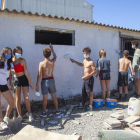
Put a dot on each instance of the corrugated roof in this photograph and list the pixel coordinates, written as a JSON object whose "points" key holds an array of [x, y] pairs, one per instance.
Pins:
{"points": [[70, 19]]}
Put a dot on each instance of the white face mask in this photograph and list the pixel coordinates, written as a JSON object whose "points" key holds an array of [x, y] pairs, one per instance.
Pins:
{"points": [[86, 56]]}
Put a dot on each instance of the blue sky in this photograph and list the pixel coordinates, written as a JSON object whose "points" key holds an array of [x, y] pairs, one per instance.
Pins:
{"points": [[124, 13]]}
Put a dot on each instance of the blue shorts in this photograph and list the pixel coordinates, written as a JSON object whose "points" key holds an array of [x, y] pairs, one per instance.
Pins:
{"points": [[48, 85]]}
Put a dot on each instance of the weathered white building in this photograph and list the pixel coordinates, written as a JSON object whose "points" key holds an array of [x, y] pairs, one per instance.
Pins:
{"points": [[77, 9], [33, 32]]}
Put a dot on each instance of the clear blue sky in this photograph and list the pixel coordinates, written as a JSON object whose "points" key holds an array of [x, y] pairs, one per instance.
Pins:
{"points": [[124, 13]]}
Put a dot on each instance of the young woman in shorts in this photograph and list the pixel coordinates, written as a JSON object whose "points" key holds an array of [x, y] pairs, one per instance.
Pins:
{"points": [[5, 71], [24, 81], [104, 74]]}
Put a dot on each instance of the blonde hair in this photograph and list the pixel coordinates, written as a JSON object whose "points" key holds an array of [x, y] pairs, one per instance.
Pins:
{"points": [[102, 53]]}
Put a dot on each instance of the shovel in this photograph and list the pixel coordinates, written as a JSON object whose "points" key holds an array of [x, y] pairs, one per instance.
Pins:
{"points": [[15, 124]]}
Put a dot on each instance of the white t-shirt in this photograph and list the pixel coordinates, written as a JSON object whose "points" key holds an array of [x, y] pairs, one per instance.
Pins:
{"points": [[4, 74]]}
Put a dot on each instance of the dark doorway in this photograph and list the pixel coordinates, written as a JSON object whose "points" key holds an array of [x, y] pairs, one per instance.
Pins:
{"points": [[128, 46]]}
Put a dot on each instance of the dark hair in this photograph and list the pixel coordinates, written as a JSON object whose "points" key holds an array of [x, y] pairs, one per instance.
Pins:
{"points": [[2, 58], [47, 52], [135, 42], [126, 53], [16, 49], [87, 49]]}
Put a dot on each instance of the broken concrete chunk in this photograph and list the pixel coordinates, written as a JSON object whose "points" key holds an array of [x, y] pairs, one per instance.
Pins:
{"points": [[107, 126], [118, 116], [66, 116], [32, 133], [132, 119], [53, 122], [76, 122], [68, 113], [50, 115], [74, 133], [113, 122], [136, 123], [136, 129], [91, 114], [59, 117]]}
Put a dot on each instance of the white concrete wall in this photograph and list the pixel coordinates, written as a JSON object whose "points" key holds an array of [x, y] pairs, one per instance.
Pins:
{"points": [[77, 9], [20, 30]]}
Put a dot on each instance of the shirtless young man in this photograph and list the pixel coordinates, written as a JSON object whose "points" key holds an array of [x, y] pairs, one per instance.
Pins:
{"points": [[89, 71], [123, 74], [46, 68]]}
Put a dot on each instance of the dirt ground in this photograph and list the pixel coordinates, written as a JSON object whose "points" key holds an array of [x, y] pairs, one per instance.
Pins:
{"points": [[86, 124]]}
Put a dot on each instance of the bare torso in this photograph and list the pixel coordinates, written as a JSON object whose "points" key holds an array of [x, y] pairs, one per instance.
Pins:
{"points": [[87, 67], [47, 69], [124, 64]]}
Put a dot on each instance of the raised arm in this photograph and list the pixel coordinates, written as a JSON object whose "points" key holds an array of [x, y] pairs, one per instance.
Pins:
{"points": [[27, 74], [39, 76], [78, 63], [54, 54]]}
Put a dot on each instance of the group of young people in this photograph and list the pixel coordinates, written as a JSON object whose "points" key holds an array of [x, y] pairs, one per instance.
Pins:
{"points": [[15, 66]]}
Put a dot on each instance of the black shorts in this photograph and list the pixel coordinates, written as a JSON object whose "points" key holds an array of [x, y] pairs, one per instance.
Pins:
{"points": [[104, 76], [123, 79], [23, 81], [88, 83], [3, 88]]}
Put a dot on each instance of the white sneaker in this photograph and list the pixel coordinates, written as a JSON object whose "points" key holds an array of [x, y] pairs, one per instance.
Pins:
{"points": [[4, 126], [31, 117], [6, 120]]}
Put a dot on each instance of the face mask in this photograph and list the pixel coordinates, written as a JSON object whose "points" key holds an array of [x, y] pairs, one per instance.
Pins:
{"points": [[17, 55], [7, 56], [133, 47], [86, 56]]}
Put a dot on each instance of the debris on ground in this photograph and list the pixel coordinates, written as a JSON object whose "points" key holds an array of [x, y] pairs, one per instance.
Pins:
{"points": [[117, 115], [35, 133]]}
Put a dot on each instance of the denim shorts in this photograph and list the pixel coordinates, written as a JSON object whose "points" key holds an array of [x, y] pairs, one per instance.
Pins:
{"points": [[48, 86]]}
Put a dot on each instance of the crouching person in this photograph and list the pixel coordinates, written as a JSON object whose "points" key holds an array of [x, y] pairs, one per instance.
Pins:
{"points": [[5, 70], [46, 68]]}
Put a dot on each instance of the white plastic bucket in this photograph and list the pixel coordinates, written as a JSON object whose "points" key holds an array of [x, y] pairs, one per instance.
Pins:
{"points": [[134, 107]]}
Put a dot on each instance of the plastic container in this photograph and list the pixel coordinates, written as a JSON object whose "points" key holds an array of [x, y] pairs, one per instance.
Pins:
{"points": [[97, 103], [134, 107], [111, 103]]}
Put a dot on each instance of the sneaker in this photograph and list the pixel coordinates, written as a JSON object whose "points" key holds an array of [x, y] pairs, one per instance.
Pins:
{"points": [[4, 126], [19, 117], [31, 117], [6, 120], [89, 108], [135, 95], [43, 114]]}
